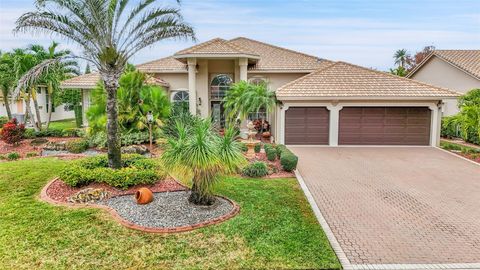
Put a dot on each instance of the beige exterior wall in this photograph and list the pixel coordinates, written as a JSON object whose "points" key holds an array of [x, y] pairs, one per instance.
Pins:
{"points": [[440, 73]]}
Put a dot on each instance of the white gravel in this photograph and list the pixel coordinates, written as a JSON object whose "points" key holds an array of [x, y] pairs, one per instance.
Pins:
{"points": [[168, 210]]}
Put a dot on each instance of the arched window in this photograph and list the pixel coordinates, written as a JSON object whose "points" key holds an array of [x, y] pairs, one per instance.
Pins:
{"points": [[180, 96], [219, 86]]}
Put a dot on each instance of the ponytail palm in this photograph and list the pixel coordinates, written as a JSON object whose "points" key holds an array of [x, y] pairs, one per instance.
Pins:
{"points": [[200, 154], [109, 34]]}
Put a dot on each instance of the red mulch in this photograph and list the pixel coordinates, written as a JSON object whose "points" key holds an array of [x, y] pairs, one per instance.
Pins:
{"points": [[24, 146], [59, 191], [273, 164], [468, 156]]}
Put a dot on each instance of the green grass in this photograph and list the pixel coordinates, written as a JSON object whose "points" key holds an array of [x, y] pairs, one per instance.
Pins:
{"points": [[458, 147], [63, 124], [275, 229]]}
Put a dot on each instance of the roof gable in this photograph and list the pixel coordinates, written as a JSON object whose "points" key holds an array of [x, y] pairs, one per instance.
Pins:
{"points": [[215, 46], [342, 79], [466, 60]]}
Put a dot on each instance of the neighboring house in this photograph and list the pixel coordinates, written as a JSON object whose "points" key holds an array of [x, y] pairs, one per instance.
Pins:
{"points": [[18, 108], [323, 102], [458, 70]]}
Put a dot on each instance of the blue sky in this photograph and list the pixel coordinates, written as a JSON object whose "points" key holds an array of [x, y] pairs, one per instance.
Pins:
{"points": [[357, 31]]}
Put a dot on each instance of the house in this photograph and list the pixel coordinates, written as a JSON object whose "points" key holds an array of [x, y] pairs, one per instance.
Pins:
{"points": [[18, 108], [323, 102], [458, 70]]}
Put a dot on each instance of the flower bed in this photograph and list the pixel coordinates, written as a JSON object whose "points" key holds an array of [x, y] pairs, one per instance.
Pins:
{"points": [[26, 146]]}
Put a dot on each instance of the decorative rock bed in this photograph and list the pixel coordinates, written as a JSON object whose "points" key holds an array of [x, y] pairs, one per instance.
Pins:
{"points": [[169, 212]]}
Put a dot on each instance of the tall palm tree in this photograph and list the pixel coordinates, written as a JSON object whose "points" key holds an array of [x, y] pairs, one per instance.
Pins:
{"points": [[402, 58], [109, 35], [200, 154]]}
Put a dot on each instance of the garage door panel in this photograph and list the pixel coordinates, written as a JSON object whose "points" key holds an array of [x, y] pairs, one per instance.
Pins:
{"points": [[306, 125], [384, 126]]}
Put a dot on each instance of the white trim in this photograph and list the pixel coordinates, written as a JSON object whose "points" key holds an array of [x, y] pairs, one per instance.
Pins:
{"points": [[216, 55], [357, 98], [342, 257]]}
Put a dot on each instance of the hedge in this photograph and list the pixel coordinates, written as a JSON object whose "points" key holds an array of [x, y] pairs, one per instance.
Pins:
{"points": [[288, 160], [135, 170]]}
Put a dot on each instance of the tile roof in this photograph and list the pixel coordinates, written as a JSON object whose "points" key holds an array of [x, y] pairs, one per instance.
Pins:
{"points": [[216, 46], [167, 64], [89, 81], [342, 79], [466, 60], [278, 58], [86, 81]]}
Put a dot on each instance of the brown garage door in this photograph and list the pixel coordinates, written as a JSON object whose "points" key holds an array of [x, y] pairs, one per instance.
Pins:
{"points": [[384, 126], [306, 125]]}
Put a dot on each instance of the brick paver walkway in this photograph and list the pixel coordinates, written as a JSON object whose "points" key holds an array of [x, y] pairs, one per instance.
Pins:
{"points": [[396, 205]]}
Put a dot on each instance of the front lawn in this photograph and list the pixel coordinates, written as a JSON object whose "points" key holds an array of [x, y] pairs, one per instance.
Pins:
{"points": [[275, 229], [63, 124]]}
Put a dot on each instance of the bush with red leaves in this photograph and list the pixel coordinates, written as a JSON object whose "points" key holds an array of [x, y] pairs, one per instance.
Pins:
{"points": [[12, 132]]}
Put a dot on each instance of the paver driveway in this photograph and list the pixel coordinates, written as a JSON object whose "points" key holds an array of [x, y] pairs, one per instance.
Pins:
{"points": [[396, 205]]}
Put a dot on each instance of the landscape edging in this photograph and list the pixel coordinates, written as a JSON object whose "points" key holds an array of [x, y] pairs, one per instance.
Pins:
{"points": [[236, 209]]}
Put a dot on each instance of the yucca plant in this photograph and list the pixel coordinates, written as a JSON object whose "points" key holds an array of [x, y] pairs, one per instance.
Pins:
{"points": [[109, 32], [199, 153]]}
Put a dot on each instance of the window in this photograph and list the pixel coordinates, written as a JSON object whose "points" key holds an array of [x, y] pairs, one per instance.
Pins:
{"points": [[180, 96], [219, 86]]}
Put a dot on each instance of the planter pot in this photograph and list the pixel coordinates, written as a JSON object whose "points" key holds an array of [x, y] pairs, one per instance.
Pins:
{"points": [[144, 196], [266, 135]]}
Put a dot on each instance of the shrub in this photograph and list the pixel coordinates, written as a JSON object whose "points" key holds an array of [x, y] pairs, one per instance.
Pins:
{"points": [[469, 150], [77, 146], [136, 170], [243, 147], [280, 148], [450, 146], [12, 132], [3, 157], [99, 139], [29, 133], [13, 156], [73, 132], [255, 169], [271, 153], [451, 127], [288, 160], [31, 154], [268, 146], [257, 147], [3, 120]]}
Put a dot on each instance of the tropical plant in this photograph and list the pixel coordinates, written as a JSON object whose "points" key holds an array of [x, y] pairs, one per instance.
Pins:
{"points": [[7, 80], [200, 154], [109, 35], [255, 169], [12, 132], [402, 58], [399, 71], [135, 99], [244, 98]]}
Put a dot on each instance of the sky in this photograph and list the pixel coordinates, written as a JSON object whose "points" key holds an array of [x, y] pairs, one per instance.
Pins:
{"points": [[363, 32]]}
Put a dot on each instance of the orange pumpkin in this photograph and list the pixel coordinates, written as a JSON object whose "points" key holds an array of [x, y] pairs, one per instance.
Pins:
{"points": [[144, 196]]}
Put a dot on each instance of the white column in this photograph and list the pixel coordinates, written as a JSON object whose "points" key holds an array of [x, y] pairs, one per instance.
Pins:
{"points": [[435, 125], [192, 68], [334, 124], [283, 109], [243, 63], [85, 106]]}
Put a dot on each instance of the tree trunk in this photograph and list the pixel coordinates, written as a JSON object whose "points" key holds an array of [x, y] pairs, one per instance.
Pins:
{"points": [[37, 110], [7, 103], [113, 139], [198, 198], [28, 114], [50, 104]]}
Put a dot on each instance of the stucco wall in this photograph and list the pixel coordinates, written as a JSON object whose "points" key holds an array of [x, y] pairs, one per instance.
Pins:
{"points": [[440, 73]]}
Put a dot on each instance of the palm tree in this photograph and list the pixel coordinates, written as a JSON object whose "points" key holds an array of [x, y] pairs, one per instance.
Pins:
{"points": [[402, 58], [244, 98], [7, 79], [109, 36], [200, 154]]}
